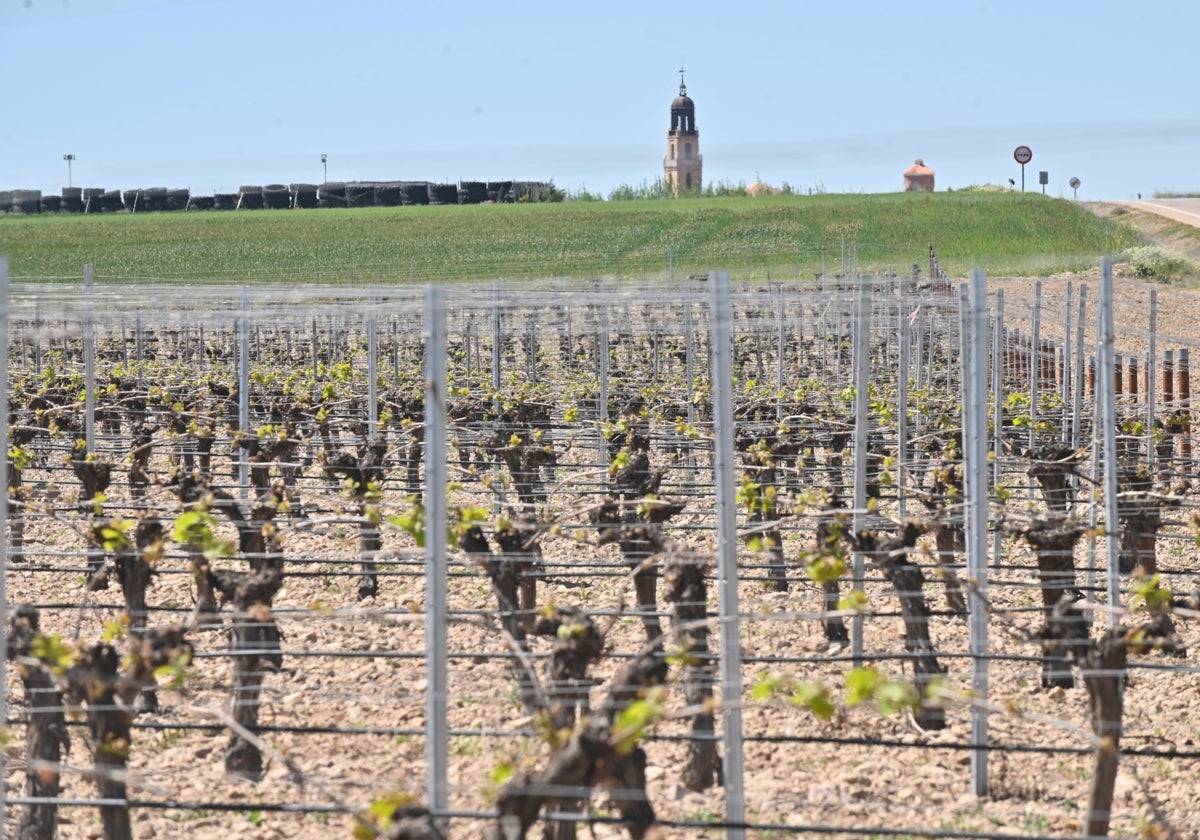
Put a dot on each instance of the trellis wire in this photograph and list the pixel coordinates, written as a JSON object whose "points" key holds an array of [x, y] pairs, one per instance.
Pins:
{"points": [[342, 330]]}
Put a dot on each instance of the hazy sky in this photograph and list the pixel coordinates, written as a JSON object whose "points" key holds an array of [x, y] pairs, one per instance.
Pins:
{"points": [[843, 96]]}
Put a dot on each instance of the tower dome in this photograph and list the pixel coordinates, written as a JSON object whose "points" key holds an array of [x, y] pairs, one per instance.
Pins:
{"points": [[683, 109]]}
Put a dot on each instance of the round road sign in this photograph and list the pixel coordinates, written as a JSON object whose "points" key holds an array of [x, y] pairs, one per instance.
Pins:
{"points": [[1022, 154], [1074, 182]]}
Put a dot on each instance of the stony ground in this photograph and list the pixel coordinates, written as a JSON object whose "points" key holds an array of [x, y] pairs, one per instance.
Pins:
{"points": [[346, 714]]}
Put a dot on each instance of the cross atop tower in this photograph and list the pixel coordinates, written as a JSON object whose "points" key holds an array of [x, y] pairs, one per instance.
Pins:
{"points": [[682, 86]]}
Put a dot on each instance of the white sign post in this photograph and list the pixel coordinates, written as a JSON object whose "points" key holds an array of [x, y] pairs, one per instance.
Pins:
{"points": [[1022, 155]]}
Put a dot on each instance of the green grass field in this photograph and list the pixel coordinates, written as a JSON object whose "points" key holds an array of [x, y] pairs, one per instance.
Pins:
{"points": [[1007, 234]]}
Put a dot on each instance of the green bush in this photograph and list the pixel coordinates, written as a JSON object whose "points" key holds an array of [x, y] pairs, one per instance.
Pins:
{"points": [[987, 188], [1157, 262]]}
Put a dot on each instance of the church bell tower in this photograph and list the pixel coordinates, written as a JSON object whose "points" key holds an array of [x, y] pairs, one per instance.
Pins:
{"points": [[682, 164]]}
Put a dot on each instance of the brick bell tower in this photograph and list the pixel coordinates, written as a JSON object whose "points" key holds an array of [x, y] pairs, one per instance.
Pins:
{"points": [[683, 164]]}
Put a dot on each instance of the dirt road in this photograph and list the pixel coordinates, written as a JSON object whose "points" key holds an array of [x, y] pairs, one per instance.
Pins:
{"points": [[1185, 210]]}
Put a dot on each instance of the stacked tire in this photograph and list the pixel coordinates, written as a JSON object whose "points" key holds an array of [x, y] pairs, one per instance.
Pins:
{"points": [[277, 197], [304, 196], [250, 198], [332, 194], [72, 200]]}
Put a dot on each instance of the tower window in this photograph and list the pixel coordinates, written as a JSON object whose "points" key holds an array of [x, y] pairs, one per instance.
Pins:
{"points": [[689, 180], [672, 151], [687, 151]]}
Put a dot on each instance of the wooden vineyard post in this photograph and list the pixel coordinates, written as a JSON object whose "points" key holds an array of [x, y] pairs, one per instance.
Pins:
{"points": [[1168, 379], [1168, 404], [1185, 401], [1151, 356]]}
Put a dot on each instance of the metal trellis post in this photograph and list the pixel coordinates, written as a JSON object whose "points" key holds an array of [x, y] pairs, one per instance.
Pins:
{"points": [[998, 339], [244, 394], [437, 727], [372, 369], [905, 359], [861, 331], [1106, 392], [975, 465], [727, 572], [3, 518], [89, 362]]}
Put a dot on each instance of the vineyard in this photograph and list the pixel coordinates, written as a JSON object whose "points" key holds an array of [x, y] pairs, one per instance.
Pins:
{"points": [[709, 558]]}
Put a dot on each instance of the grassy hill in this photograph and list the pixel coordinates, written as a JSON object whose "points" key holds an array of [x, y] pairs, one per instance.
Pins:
{"points": [[780, 236]]}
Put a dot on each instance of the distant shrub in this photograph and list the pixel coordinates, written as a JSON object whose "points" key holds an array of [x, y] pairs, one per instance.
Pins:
{"points": [[645, 190], [583, 194], [986, 188], [1157, 262], [1176, 194], [725, 189]]}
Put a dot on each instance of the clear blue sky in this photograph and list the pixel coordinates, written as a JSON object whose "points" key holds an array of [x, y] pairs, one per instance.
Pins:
{"points": [[212, 94]]}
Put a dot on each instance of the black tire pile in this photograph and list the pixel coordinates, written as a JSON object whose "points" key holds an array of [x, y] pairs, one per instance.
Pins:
{"points": [[273, 197]]}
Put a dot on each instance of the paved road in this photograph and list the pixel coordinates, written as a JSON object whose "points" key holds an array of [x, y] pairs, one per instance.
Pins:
{"points": [[1186, 210]]}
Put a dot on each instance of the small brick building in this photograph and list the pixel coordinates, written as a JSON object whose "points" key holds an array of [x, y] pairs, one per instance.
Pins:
{"points": [[918, 178]]}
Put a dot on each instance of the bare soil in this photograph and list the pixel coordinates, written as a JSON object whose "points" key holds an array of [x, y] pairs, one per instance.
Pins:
{"points": [[353, 668]]}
